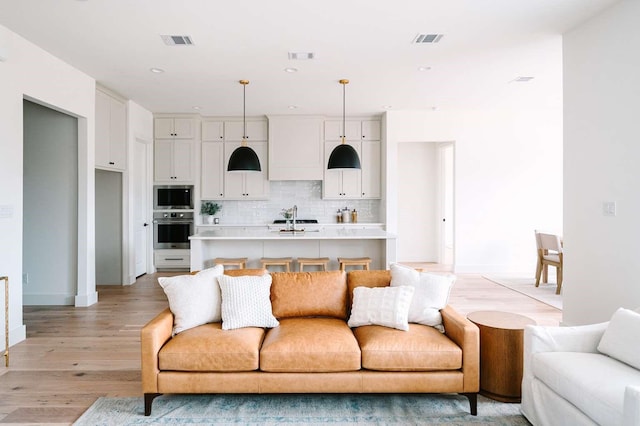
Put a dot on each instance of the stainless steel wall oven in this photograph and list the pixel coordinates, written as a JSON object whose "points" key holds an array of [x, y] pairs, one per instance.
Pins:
{"points": [[171, 230]]}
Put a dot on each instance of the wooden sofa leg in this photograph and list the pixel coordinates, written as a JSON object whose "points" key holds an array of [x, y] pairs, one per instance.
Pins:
{"points": [[148, 400], [473, 402]]}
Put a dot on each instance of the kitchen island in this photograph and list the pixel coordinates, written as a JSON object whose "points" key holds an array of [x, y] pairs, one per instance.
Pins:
{"points": [[257, 242]]}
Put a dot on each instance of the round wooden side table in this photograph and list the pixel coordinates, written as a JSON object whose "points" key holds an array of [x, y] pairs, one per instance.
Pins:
{"points": [[501, 355]]}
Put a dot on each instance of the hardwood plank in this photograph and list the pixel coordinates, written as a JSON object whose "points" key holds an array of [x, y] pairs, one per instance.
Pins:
{"points": [[72, 355]]}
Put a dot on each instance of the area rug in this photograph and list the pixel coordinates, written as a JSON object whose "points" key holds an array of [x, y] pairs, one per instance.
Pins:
{"points": [[545, 293], [308, 409]]}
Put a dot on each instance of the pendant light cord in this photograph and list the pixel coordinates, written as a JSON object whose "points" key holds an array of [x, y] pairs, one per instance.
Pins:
{"points": [[344, 126], [244, 113]]}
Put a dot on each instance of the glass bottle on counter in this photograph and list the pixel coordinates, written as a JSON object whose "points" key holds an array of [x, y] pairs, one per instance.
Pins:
{"points": [[354, 216], [339, 216]]}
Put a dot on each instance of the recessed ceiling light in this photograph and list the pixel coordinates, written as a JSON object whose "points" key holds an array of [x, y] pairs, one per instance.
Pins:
{"points": [[522, 79], [293, 107], [156, 70], [387, 106], [301, 55], [435, 108], [196, 107], [424, 68], [291, 69]]}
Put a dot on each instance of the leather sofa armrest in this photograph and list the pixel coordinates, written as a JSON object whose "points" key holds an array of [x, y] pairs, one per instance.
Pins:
{"points": [[152, 337], [465, 334]]}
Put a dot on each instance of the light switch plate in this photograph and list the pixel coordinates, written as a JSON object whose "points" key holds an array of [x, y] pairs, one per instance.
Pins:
{"points": [[6, 212], [609, 208]]}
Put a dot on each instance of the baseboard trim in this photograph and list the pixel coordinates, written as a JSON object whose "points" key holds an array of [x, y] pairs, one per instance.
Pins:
{"points": [[47, 299], [86, 300]]}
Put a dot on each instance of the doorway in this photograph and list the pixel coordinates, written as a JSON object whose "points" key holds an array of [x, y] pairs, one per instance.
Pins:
{"points": [[50, 206], [108, 227], [425, 203]]}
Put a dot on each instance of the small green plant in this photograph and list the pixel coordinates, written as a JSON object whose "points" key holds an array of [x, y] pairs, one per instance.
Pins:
{"points": [[209, 208]]}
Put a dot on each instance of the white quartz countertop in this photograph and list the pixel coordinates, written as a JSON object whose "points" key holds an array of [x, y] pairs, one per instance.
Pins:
{"points": [[311, 234]]}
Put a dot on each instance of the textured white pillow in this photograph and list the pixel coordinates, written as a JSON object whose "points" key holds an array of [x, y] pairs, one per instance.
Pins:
{"points": [[246, 302], [431, 293], [193, 299], [621, 339], [387, 306]]}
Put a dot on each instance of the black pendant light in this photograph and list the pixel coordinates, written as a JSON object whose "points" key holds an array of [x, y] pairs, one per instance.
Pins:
{"points": [[344, 156], [243, 158]]}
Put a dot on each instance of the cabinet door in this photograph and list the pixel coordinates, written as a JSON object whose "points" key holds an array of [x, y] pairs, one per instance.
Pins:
{"points": [[103, 113], [213, 131], [233, 181], [184, 128], [183, 157], [370, 160], [212, 183], [370, 130], [256, 130], [340, 183], [256, 185], [163, 128], [162, 160], [118, 135], [333, 130]]}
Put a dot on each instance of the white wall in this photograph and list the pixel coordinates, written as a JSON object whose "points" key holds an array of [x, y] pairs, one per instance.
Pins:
{"points": [[602, 94], [33, 73], [108, 227], [417, 202], [508, 180]]}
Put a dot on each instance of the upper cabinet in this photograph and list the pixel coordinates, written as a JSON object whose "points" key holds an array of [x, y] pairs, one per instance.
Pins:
{"points": [[364, 136], [296, 148], [111, 132], [256, 131], [212, 130], [175, 128], [246, 185]]}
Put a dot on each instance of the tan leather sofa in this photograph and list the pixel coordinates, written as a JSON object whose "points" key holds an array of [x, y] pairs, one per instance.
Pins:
{"points": [[312, 350]]}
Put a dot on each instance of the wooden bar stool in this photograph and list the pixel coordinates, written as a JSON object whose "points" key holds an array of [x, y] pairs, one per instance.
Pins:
{"points": [[354, 261], [240, 262], [315, 261], [277, 261]]}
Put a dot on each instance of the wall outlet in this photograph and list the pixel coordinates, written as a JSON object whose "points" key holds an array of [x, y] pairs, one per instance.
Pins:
{"points": [[609, 208]]}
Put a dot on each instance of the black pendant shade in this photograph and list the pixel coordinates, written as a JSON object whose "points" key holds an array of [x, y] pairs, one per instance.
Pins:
{"points": [[344, 156], [243, 158]]}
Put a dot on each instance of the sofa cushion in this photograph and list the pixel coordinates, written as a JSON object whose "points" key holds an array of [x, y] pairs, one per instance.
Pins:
{"points": [[421, 348], [246, 302], [310, 345], [386, 306], [621, 339], [431, 293], [193, 299], [209, 348], [301, 294], [594, 383]]}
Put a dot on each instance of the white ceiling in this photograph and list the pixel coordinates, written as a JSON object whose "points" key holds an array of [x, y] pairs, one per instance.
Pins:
{"points": [[486, 45]]}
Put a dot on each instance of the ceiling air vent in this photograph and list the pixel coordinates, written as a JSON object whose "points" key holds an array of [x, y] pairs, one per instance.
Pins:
{"points": [[301, 55], [177, 40], [427, 38]]}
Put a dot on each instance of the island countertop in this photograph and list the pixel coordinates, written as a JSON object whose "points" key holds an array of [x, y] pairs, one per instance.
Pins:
{"points": [[313, 234]]}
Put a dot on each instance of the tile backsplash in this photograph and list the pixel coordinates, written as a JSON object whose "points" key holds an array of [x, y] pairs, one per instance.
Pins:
{"points": [[307, 195]]}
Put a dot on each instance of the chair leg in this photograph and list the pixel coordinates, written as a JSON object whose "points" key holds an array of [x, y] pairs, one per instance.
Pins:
{"points": [[538, 272], [559, 279], [545, 273]]}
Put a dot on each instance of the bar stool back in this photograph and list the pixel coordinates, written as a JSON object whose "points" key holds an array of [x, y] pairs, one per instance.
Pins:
{"points": [[240, 262], [313, 261], [277, 261], [354, 261]]}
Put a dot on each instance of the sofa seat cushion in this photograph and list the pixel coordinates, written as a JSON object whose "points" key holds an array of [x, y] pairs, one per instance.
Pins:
{"points": [[209, 348], [592, 382], [310, 345], [421, 348]]}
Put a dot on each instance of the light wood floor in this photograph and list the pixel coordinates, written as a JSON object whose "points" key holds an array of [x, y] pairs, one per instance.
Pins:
{"points": [[74, 355]]}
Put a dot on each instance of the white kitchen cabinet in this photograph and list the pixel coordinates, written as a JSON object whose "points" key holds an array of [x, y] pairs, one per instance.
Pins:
{"points": [[171, 259], [212, 130], [333, 130], [296, 148], [341, 184], [370, 173], [174, 128], [111, 132], [174, 160], [370, 130], [246, 185], [256, 131], [213, 169]]}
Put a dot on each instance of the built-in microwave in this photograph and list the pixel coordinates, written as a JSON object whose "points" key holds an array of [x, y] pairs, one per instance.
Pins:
{"points": [[172, 197]]}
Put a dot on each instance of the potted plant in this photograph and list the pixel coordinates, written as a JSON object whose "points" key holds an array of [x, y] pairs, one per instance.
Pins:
{"points": [[208, 208]]}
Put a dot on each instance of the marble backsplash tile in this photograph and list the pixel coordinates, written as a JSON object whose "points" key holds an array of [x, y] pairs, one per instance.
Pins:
{"points": [[307, 195]]}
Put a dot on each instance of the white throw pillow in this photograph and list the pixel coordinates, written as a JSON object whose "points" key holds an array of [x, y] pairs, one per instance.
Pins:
{"points": [[431, 293], [387, 306], [246, 302], [621, 339], [193, 299]]}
